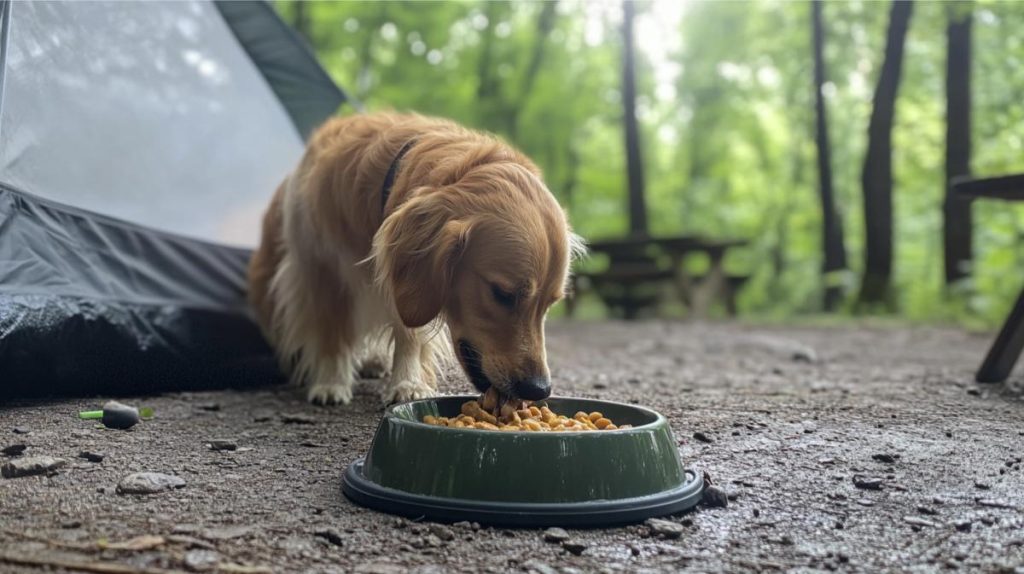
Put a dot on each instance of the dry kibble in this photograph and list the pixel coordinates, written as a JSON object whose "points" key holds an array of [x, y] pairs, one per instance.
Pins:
{"points": [[490, 399], [489, 412]]}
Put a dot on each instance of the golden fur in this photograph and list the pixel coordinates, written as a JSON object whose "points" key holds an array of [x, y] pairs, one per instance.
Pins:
{"points": [[471, 245]]}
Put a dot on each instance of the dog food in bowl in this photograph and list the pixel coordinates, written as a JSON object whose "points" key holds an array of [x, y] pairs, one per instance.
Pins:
{"points": [[486, 414]]}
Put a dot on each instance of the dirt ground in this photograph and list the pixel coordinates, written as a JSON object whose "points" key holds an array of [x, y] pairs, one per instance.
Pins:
{"points": [[793, 415]]}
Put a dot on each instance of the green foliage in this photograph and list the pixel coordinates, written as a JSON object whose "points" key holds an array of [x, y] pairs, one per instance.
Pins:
{"points": [[728, 136]]}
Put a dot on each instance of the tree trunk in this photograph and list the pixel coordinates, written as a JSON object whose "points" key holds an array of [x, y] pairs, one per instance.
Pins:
{"points": [[487, 86], [957, 212], [832, 242], [571, 179], [545, 23], [876, 286], [634, 165]]}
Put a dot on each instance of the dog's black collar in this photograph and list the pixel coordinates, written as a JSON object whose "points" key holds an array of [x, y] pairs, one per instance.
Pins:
{"points": [[389, 179]]}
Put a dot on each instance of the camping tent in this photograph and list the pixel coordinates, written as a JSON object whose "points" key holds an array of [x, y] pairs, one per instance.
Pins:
{"points": [[139, 145]]}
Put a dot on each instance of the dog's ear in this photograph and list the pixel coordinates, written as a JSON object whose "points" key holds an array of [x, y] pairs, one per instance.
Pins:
{"points": [[416, 252]]}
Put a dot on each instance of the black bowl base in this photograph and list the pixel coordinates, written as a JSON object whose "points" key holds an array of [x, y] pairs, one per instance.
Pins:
{"points": [[571, 514]]}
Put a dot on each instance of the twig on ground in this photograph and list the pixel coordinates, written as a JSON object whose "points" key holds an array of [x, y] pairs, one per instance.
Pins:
{"points": [[96, 567]]}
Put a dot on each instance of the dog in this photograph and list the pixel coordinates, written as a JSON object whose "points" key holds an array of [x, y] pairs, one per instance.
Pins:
{"points": [[416, 237]]}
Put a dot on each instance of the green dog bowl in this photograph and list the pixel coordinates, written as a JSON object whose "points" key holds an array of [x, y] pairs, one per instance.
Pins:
{"points": [[577, 479]]}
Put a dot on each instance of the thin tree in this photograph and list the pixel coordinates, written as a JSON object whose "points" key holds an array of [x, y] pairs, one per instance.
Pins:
{"points": [[956, 211], [545, 24], [832, 242], [876, 285], [634, 164]]}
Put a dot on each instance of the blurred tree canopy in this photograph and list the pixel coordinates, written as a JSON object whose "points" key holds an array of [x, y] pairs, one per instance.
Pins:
{"points": [[726, 104]]}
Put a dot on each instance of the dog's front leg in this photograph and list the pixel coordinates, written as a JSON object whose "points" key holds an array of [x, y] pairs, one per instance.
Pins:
{"points": [[413, 374], [332, 379]]}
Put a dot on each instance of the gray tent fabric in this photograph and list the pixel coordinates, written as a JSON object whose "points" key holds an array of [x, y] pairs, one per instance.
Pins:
{"points": [[140, 143], [285, 61]]}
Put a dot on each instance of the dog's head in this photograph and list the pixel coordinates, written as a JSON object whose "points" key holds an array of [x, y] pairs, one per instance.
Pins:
{"points": [[490, 255]]}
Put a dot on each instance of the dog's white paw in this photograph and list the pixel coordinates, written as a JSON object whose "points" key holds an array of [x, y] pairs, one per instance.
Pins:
{"points": [[407, 391], [330, 394]]}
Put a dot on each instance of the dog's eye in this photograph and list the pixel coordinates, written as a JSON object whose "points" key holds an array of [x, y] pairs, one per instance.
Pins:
{"points": [[504, 298]]}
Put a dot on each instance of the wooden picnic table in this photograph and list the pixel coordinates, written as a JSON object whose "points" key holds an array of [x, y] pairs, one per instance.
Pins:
{"points": [[637, 266]]}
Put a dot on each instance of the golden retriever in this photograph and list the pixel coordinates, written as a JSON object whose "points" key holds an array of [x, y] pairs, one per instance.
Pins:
{"points": [[411, 234]]}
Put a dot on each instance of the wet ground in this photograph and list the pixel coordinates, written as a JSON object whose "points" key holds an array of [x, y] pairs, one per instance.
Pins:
{"points": [[792, 416]]}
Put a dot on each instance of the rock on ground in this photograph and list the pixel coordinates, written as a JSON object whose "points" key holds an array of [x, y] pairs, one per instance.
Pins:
{"points": [[148, 483], [30, 465]]}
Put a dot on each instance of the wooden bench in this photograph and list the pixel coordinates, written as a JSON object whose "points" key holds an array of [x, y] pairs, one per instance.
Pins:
{"points": [[627, 288], [640, 269]]}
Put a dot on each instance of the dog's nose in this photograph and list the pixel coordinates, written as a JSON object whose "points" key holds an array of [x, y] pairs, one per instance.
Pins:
{"points": [[533, 388]]}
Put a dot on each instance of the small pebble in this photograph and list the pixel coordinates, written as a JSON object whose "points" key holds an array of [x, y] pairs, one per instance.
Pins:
{"points": [[442, 532], [963, 525], [148, 483], [664, 528], [982, 486], [331, 535], [223, 444], [31, 465], [701, 437], [91, 456], [556, 535], [917, 521], [885, 457], [14, 449], [867, 483], [201, 560], [212, 407], [575, 547], [118, 415], [21, 430], [538, 567], [992, 503], [297, 419], [804, 355], [715, 497]]}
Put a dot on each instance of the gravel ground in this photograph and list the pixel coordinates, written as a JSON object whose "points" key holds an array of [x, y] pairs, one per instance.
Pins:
{"points": [[852, 449]]}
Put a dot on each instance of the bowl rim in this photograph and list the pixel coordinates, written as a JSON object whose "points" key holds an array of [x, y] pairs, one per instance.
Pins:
{"points": [[659, 418], [587, 514]]}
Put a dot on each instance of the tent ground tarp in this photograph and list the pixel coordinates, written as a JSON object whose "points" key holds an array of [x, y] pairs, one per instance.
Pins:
{"points": [[91, 305]]}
